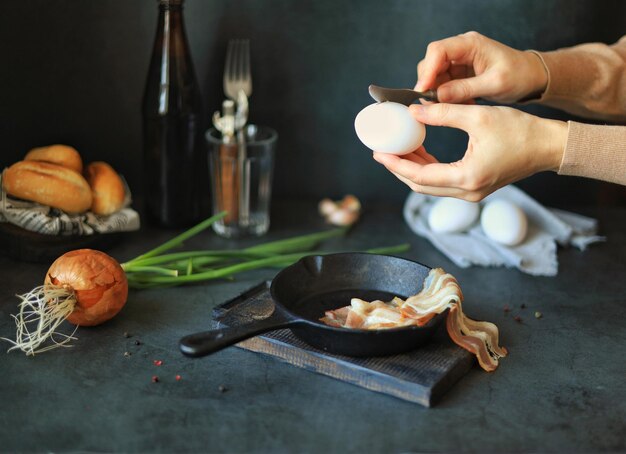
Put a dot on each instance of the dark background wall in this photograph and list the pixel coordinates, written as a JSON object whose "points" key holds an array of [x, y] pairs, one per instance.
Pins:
{"points": [[73, 72]]}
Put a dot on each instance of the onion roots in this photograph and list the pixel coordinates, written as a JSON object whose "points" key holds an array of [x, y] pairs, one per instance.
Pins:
{"points": [[41, 311]]}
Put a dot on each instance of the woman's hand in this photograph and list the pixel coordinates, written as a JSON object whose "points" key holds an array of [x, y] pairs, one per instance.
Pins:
{"points": [[505, 145], [470, 66]]}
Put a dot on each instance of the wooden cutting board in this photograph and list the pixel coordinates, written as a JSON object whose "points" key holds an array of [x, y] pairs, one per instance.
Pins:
{"points": [[422, 376]]}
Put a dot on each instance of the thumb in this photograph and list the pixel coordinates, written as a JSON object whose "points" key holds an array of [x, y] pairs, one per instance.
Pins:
{"points": [[460, 116], [462, 90]]}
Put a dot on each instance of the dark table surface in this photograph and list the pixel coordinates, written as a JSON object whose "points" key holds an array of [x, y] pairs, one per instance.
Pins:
{"points": [[562, 388]]}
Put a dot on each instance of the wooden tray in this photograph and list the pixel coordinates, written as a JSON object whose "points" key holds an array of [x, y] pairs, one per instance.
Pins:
{"points": [[422, 376]]}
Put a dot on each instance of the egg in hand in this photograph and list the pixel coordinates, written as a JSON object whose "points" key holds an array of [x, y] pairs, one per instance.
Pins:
{"points": [[389, 127]]}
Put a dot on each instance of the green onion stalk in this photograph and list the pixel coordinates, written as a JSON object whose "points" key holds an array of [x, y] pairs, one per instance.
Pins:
{"points": [[160, 267]]}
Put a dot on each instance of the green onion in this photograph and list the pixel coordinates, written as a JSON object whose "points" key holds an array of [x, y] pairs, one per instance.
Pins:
{"points": [[156, 268], [183, 236]]}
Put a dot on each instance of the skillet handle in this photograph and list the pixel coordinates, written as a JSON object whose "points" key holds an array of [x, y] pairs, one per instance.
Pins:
{"points": [[207, 342]]}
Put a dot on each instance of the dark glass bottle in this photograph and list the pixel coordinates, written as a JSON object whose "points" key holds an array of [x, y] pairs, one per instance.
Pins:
{"points": [[175, 169]]}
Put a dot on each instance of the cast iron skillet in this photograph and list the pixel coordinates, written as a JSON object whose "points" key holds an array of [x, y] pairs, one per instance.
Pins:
{"points": [[303, 291]]}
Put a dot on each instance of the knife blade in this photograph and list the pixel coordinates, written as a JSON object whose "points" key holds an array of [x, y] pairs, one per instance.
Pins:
{"points": [[401, 95]]}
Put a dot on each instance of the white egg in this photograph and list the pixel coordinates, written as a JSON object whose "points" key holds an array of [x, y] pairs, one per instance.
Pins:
{"points": [[450, 215], [504, 222], [389, 127]]}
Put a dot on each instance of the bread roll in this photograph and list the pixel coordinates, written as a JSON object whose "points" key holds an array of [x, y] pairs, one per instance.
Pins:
{"points": [[107, 188], [62, 155], [48, 184]]}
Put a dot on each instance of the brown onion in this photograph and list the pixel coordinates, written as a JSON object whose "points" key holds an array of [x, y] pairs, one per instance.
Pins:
{"points": [[97, 280], [85, 287]]}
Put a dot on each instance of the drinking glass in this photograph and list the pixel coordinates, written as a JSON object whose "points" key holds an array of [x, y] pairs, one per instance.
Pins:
{"points": [[241, 180]]}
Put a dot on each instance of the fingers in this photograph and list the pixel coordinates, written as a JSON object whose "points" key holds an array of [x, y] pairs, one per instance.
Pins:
{"points": [[423, 173], [417, 159], [464, 89], [420, 156], [460, 72], [441, 54], [432, 190], [453, 115], [430, 159], [435, 179]]}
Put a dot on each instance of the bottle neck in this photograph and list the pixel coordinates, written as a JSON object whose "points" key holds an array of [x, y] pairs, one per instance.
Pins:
{"points": [[171, 84], [171, 18], [170, 5]]}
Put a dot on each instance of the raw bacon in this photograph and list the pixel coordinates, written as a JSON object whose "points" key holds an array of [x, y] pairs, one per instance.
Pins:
{"points": [[441, 291]]}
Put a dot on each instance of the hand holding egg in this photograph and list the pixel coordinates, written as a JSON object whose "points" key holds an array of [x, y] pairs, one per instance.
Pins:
{"points": [[389, 127]]}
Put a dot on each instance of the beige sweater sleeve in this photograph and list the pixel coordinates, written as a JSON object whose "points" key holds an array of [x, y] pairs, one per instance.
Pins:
{"points": [[590, 81], [595, 151]]}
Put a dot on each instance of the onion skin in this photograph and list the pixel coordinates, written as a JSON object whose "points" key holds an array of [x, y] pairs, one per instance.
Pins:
{"points": [[98, 281]]}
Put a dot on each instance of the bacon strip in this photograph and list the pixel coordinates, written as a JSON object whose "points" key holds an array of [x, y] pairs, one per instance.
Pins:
{"points": [[337, 317], [477, 342], [441, 291]]}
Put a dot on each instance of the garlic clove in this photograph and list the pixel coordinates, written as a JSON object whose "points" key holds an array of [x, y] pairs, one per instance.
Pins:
{"points": [[350, 203], [342, 217], [327, 206]]}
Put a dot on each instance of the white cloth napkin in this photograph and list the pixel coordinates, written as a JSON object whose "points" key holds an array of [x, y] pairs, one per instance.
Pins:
{"points": [[536, 255]]}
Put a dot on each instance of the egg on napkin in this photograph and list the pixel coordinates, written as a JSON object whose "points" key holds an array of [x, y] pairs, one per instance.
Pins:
{"points": [[450, 215], [504, 222]]}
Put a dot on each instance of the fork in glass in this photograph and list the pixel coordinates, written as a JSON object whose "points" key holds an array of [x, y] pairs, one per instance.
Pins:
{"points": [[238, 87], [237, 75]]}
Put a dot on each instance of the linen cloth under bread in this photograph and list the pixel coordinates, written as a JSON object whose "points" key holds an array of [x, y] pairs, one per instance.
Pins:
{"points": [[51, 221], [536, 255]]}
